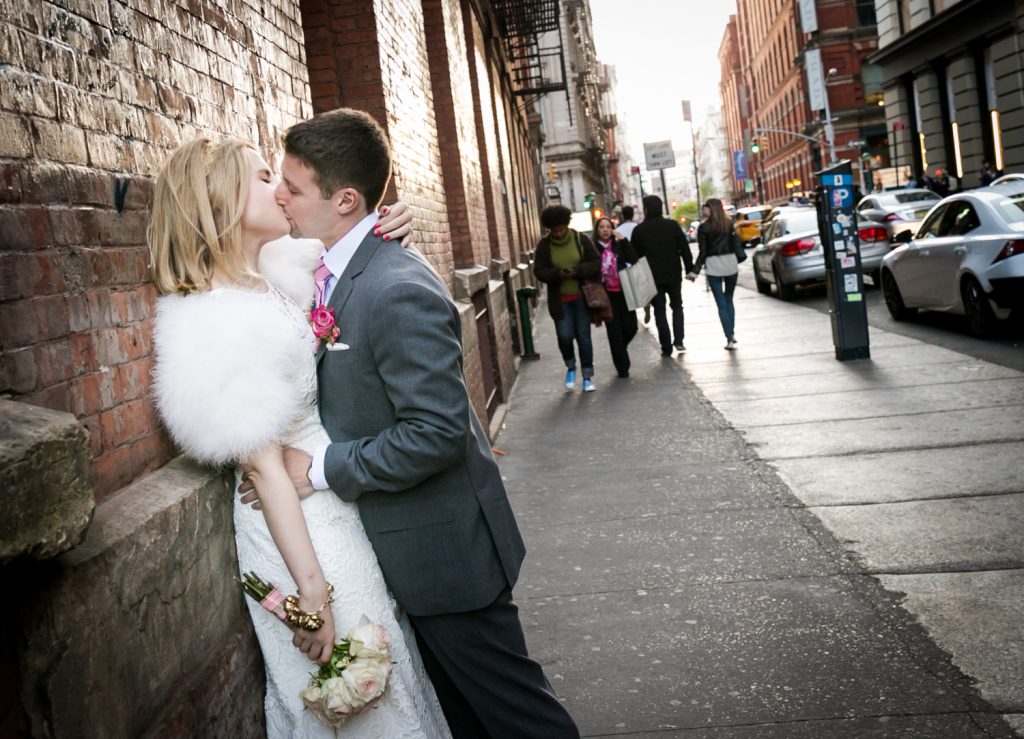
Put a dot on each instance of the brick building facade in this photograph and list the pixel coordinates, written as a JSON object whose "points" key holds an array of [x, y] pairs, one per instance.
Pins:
{"points": [[93, 96], [774, 41]]}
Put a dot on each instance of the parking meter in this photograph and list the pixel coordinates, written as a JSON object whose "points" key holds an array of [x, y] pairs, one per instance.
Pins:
{"points": [[837, 224]]}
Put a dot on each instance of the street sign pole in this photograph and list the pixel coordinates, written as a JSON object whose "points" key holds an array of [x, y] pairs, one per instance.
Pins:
{"points": [[837, 224]]}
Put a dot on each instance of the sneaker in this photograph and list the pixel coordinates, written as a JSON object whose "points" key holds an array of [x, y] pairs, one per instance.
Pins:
{"points": [[570, 379], [731, 345], [588, 386], [679, 346]]}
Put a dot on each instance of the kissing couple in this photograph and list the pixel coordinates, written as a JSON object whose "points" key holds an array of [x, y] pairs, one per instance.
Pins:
{"points": [[365, 481]]}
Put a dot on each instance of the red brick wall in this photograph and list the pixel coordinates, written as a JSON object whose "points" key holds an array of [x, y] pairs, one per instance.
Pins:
{"points": [[93, 98], [456, 129]]}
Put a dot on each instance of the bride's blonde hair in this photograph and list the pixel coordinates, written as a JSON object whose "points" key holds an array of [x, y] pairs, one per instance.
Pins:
{"points": [[196, 223]]}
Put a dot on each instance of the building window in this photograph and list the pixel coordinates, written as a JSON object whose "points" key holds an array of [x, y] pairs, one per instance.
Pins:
{"points": [[903, 13], [866, 13]]}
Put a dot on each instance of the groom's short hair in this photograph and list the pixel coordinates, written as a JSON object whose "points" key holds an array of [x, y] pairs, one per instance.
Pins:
{"points": [[344, 148]]}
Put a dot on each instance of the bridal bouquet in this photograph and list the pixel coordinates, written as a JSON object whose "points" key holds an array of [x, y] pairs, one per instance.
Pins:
{"points": [[357, 673]]}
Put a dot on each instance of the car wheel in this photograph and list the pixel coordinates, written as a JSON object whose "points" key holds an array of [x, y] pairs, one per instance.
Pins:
{"points": [[786, 292], [765, 288], [980, 318], [893, 299]]}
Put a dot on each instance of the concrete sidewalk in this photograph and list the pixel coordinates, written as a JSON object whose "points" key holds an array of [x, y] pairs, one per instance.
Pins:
{"points": [[718, 545]]}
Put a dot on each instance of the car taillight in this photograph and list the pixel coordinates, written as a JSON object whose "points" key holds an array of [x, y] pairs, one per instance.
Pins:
{"points": [[798, 247], [873, 233], [890, 217], [1010, 249]]}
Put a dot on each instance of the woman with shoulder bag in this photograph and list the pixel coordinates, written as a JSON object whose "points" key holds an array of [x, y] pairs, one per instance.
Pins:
{"points": [[720, 252], [616, 254], [565, 258]]}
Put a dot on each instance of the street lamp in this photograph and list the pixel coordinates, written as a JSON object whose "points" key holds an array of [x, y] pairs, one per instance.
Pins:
{"points": [[830, 134]]}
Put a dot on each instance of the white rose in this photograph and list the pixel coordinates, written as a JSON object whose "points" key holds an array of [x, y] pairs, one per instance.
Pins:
{"points": [[369, 640], [367, 679], [339, 699]]}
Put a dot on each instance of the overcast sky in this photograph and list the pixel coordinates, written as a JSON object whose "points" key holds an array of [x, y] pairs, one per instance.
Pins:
{"points": [[664, 52]]}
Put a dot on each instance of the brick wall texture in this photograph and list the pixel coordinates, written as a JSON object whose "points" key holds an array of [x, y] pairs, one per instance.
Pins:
{"points": [[95, 93]]}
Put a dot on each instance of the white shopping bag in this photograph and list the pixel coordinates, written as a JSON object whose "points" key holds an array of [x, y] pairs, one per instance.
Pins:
{"points": [[637, 284]]}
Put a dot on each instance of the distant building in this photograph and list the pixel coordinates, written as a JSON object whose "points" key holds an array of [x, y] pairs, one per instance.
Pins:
{"points": [[713, 158], [951, 73], [573, 121]]}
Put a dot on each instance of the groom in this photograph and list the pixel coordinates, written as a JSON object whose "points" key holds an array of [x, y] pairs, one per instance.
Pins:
{"points": [[406, 445]]}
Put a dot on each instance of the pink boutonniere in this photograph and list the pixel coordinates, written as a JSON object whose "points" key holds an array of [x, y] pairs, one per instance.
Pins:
{"points": [[321, 319]]}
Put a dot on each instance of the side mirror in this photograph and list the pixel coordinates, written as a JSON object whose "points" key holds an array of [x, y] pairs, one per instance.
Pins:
{"points": [[904, 237]]}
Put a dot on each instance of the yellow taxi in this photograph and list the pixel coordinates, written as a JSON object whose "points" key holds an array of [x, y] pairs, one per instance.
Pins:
{"points": [[748, 222]]}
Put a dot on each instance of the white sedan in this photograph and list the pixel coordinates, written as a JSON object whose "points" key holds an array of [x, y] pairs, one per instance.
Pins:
{"points": [[967, 258]]}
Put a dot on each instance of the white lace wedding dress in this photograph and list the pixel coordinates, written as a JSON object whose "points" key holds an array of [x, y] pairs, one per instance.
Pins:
{"points": [[233, 369]]}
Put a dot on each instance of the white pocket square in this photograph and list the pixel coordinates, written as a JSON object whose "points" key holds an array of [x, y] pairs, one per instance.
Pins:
{"points": [[337, 346]]}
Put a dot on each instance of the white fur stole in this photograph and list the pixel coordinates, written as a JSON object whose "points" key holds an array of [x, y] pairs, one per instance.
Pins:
{"points": [[225, 378]]}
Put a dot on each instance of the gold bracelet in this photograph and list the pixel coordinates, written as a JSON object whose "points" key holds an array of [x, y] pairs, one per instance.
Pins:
{"points": [[307, 620]]}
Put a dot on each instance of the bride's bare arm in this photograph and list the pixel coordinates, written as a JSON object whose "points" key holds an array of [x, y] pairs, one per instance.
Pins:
{"points": [[281, 509]]}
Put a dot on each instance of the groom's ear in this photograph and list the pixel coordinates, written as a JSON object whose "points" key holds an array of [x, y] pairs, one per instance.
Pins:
{"points": [[348, 200]]}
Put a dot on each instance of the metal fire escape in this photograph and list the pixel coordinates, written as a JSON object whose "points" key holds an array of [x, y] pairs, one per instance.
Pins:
{"points": [[535, 69]]}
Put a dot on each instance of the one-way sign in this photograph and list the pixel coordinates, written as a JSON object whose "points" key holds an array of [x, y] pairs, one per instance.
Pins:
{"points": [[659, 155]]}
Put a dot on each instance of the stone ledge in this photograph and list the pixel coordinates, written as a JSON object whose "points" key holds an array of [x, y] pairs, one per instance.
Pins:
{"points": [[469, 281], [499, 267], [128, 623], [47, 487]]}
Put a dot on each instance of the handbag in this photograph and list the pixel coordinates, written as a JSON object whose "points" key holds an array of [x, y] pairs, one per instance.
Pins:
{"points": [[595, 296], [637, 284]]}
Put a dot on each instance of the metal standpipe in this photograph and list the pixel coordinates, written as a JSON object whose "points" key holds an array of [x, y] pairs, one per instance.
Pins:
{"points": [[840, 242], [523, 296]]}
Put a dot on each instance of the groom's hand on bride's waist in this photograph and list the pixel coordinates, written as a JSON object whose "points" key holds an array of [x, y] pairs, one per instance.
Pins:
{"points": [[296, 463]]}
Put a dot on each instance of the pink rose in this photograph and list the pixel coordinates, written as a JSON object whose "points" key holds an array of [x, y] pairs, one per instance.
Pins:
{"points": [[322, 319]]}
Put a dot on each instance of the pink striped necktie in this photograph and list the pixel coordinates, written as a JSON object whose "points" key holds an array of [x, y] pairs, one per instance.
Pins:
{"points": [[320, 278]]}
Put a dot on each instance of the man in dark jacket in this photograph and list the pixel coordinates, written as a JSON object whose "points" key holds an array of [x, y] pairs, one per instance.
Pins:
{"points": [[663, 242]]}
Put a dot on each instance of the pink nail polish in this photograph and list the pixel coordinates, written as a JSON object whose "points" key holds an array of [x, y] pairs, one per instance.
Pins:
{"points": [[387, 237], [376, 232], [385, 210]]}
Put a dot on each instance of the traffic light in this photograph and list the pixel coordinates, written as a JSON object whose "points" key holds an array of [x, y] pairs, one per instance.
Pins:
{"points": [[590, 200], [552, 172], [755, 145], [597, 213]]}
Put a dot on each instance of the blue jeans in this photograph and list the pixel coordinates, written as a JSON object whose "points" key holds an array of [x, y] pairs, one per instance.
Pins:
{"points": [[574, 326], [723, 288]]}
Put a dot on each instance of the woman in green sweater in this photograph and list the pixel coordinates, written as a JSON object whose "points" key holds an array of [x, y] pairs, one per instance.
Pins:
{"points": [[563, 258]]}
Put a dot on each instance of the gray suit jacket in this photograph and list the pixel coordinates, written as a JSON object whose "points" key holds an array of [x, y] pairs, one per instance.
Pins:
{"points": [[406, 443]]}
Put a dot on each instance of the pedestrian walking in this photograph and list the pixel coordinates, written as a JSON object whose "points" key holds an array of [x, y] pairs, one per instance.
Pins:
{"points": [[663, 242], [988, 173], [627, 224], [563, 258], [717, 246], [616, 254]]}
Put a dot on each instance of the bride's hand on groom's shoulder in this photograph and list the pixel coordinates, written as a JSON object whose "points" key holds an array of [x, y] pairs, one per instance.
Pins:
{"points": [[395, 223], [296, 463]]}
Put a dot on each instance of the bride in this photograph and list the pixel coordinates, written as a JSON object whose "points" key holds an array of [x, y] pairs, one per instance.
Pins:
{"points": [[234, 382]]}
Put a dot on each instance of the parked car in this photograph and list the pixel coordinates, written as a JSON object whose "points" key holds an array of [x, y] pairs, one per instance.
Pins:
{"points": [[777, 211], [748, 221], [899, 210], [965, 259], [1012, 177], [791, 253]]}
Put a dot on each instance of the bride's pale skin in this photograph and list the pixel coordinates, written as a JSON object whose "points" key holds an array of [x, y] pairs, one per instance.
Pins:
{"points": [[264, 221]]}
